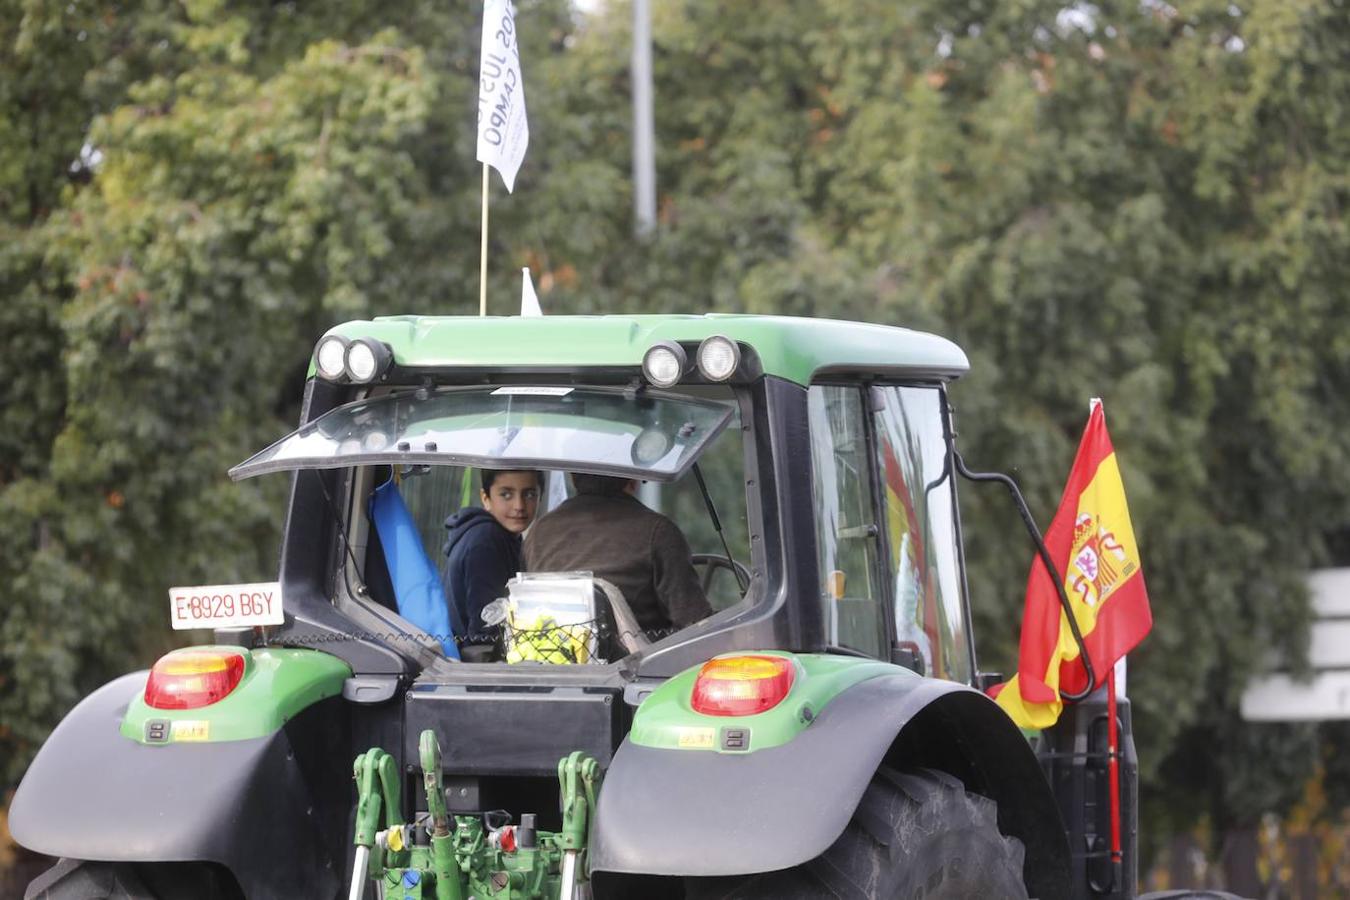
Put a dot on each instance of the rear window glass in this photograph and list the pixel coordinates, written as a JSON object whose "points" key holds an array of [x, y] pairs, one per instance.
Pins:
{"points": [[647, 435]]}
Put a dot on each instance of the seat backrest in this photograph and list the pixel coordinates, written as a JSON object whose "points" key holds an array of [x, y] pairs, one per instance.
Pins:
{"points": [[416, 583]]}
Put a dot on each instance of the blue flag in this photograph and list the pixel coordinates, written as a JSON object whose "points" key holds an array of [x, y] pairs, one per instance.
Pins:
{"points": [[417, 584]]}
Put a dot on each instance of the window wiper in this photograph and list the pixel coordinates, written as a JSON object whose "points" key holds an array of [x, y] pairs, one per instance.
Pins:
{"points": [[717, 526], [841, 650]]}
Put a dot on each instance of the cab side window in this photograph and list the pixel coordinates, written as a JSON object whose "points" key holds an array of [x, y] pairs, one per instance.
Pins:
{"points": [[846, 520], [919, 529]]}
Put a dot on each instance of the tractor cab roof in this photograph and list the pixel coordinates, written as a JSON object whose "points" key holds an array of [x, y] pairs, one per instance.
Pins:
{"points": [[796, 349]]}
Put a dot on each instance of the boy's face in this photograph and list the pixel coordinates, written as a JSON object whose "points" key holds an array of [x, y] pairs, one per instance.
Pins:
{"points": [[513, 500]]}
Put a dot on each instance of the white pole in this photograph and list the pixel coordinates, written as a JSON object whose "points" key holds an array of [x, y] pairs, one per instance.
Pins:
{"points": [[644, 128], [359, 868], [482, 263], [567, 882], [649, 492]]}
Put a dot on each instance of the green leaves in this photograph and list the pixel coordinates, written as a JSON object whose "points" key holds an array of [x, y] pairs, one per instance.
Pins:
{"points": [[236, 211]]}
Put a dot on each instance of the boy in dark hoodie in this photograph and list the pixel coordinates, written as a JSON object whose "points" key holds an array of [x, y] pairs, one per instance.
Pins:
{"points": [[482, 551]]}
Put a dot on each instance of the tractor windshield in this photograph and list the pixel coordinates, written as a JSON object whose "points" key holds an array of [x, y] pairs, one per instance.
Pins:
{"points": [[646, 435]]}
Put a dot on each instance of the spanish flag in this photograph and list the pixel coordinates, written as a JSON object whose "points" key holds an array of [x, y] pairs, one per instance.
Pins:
{"points": [[1092, 543]]}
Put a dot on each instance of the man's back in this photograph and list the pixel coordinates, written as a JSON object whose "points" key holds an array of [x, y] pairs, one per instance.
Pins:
{"points": [[641, 552]]}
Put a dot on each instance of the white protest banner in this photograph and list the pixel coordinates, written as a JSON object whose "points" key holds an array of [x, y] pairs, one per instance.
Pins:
{"points": [[557, 490], [503, 131], [529, 300]]}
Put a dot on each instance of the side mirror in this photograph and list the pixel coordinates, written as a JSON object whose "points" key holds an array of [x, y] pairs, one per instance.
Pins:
{"points": [[907, 654], [985, 680]]}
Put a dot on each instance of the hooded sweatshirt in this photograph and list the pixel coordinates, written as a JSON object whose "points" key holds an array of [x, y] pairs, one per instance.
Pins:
{"points": [[480, 557]]}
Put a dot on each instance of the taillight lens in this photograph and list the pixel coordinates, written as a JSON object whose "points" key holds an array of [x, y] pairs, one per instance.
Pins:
{"points": [[742, 685], [187, 679]]}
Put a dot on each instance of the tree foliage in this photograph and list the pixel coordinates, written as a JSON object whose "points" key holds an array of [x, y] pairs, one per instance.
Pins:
{"points": [[1135, 202]]}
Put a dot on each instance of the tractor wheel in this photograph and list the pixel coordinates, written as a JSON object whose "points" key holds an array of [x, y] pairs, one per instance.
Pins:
{"points": [[77, 879], [915, 836]]}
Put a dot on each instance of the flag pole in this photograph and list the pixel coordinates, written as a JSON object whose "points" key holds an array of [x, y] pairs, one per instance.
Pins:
{"points": [[482, 261], [1113, 774]]}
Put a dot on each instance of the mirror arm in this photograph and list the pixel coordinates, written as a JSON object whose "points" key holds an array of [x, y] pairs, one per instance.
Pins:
{"points": [[1050, 567]]}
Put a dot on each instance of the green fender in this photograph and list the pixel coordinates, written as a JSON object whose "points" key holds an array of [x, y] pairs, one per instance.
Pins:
{"points": [[701, 810], [248, 783]]}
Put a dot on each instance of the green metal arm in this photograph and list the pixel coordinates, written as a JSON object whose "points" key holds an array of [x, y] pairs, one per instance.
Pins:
{"points": [[576, 776], [449, 884], [371, 767], [366, 772]]}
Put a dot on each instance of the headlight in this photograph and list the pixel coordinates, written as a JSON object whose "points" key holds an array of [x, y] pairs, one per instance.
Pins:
{"points": [[650, 447], [330, 357], [663, 364], [718, 357], [367, 359]]}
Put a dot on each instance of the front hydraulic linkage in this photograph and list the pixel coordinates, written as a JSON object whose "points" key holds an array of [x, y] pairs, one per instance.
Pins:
{"points": [[376, 776], [451, 858]]}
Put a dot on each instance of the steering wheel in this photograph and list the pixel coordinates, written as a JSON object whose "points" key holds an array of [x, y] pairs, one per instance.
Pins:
{"points": [[711, 562]]}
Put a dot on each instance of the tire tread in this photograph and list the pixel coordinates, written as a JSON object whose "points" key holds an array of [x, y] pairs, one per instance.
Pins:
{"points": [[904, 820]]}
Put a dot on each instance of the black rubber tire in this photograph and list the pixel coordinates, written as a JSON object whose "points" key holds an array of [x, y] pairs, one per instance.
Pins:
{"points": [[77, 879], [916, 835]]}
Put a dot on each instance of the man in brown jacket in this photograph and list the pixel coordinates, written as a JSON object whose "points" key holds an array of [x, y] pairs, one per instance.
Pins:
{"points": [[606, 530]]}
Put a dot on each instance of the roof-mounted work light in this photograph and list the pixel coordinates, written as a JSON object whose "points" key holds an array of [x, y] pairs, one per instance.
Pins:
{"points": [[367, 359], [330, 357], [664, 364], [362, 360], [718, 357]]}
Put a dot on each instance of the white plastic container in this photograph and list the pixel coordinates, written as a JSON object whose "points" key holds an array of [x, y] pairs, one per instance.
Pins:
{"points": [[551, 618]]}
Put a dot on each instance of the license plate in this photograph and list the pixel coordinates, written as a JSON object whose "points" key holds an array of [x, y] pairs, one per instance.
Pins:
{"points": [[225, 605]]}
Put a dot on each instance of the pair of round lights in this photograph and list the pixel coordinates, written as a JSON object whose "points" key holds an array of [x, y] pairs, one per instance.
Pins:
{"points": [[361, 361], [665, 363]]}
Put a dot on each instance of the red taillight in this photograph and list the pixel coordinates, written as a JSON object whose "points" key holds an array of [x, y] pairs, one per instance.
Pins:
{"points": [[187, 679], [741, 685]]}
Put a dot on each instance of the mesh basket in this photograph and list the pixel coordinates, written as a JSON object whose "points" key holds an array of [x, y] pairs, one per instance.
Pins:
{"points": [[541, 639]]}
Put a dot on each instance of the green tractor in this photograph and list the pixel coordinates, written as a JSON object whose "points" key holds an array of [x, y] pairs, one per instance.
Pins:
{"points": [[823, 732]]}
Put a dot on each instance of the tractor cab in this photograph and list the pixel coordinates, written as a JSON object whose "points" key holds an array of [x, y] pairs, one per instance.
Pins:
{"points": [[714, 441]]}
